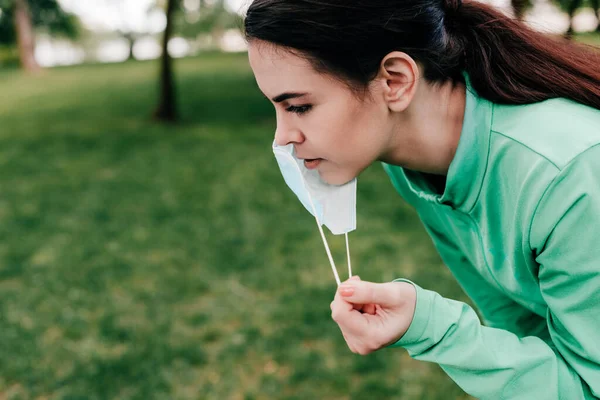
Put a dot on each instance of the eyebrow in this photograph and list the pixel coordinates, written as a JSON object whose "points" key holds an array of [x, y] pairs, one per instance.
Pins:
{"points": [[287, 96]]}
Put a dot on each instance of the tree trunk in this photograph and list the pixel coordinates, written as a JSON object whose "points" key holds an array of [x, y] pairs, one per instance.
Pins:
{"points": [[518, 7], [131, 56], [130, 37], [596, 7], [573, 6], [166, 110], [25, 36]]}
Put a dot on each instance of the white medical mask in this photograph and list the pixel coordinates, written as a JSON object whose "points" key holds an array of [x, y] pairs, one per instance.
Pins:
{"points": [[332, 205]]}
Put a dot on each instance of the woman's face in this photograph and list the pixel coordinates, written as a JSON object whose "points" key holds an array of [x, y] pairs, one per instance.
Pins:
{"points": [[333, 130]]}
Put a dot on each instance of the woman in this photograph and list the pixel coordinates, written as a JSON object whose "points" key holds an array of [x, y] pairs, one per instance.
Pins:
{"points": [[492, 132]]}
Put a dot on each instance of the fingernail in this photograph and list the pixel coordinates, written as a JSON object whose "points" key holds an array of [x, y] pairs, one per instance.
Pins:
{"points": [[346, 290]]}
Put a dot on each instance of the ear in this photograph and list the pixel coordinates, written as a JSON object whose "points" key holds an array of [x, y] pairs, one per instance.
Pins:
{"points": [[399, 76]]}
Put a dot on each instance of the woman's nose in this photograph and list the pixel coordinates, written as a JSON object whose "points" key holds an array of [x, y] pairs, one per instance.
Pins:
{"points": [[286, 134]]}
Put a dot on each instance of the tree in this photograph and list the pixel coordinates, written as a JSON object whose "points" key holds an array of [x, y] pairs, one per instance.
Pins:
{"points": [[211, 17], [166, 110], [20, 19], [25, 36], [206, 18], [519, 7], [571, 7], [596, 7], [127, 30]]}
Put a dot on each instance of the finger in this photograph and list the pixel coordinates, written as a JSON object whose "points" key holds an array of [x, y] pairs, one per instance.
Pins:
{"points": [[348, 341], [353, 322], [357, 307], [360, 307], [348, 318], [369, 309], [362, 292], [352, 279], [340, 309]]}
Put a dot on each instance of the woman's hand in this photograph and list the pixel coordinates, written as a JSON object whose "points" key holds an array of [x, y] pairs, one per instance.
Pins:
{"points": [[373, 315]]}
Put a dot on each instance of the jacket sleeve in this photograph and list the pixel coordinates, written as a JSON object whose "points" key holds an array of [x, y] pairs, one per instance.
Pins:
{"points": [[496, 309], [491, 363]]}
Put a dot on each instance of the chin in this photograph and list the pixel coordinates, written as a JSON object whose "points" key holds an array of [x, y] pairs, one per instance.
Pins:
{"points": [[337, 179]]}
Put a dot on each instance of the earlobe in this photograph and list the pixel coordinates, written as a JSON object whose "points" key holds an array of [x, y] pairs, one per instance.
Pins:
{"points": [[399, 76]]}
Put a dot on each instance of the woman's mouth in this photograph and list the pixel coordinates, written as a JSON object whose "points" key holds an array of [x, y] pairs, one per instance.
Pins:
{"points": [[312, 163]]}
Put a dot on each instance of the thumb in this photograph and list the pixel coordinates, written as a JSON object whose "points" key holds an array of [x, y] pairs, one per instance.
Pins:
{"points": [[352, 279], [362, 292]]}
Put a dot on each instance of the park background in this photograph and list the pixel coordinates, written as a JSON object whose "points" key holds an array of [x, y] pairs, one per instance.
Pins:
{"points": [[149, 248]]}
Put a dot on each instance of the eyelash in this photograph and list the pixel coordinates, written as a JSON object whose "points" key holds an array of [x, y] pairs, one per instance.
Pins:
{"points": [[299, 109]]}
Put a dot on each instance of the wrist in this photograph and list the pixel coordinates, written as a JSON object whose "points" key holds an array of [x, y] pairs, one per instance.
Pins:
{"points": [[420, 312]]}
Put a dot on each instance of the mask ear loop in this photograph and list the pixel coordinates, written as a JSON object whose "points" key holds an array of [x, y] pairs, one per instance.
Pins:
{"points": [[335, 273], [348, 253]]}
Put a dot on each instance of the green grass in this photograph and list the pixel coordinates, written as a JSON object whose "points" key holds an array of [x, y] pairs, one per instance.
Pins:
{"points": [[591, 38], [146, 261]]}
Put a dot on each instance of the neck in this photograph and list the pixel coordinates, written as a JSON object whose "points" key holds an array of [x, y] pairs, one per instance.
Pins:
{"points": [[425, 136]]}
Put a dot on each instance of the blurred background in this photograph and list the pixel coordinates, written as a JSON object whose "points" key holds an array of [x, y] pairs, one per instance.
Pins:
{"points": [[149, 248]]}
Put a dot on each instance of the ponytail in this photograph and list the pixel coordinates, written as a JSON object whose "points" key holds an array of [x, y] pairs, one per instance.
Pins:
{"points": [[509, 63]]}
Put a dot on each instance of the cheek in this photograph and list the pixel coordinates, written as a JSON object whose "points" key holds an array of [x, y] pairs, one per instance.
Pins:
{"points": [[354, 145], [345, 122], [346, 133], [363, 131]]}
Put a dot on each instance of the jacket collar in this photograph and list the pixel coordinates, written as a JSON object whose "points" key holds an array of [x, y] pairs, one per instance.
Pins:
{"points": [[467, 169]]}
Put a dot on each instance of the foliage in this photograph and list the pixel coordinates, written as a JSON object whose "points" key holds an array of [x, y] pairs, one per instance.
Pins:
{"points": [[564, 5], [9, 56], [206, 18], [47, 15]]}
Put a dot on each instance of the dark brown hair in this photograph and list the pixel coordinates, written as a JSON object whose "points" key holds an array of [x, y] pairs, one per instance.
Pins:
{"points": [[507, 62]]}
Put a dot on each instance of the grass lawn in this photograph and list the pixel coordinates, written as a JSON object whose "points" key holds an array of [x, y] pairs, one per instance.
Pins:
{"points": [[145, 261], [591, 38]]}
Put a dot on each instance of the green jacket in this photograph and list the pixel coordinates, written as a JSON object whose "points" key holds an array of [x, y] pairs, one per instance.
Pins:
{"points": [[519, 227]]}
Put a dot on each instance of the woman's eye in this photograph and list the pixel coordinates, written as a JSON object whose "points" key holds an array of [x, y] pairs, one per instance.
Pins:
{"points": [[299, 109]]}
